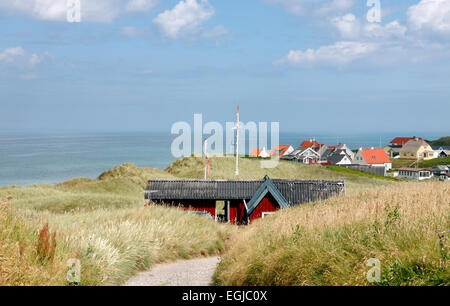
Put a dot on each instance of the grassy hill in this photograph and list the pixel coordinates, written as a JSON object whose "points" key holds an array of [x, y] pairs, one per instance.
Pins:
{"points": [[328, 243], [443, 141], [103, 221]]}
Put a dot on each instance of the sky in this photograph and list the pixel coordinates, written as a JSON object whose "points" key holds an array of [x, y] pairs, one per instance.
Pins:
{"points": [[142, 65]]}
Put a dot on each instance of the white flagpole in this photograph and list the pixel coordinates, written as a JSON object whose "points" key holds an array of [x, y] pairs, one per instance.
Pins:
{"points": [[237, 143]]}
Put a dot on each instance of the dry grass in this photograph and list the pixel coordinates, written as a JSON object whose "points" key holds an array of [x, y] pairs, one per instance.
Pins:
{"points": [[19, 261], [328, 243], [101, 222]]}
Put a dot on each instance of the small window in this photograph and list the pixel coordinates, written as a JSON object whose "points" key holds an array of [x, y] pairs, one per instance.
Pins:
{"points": [[266, 213]]}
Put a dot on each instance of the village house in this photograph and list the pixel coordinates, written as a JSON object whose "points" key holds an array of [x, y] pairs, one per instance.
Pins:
{"points": [[373, 157], [396, 144], [440, 170], [416, 173], [313, 144], [303, 155], [401, 141], [281, 150], [416, 148], [337, 157], [259, 153], [239, 201], [441, 151]]}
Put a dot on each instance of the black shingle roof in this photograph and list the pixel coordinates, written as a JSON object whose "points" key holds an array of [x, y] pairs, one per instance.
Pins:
{"points": [[294, 191]]}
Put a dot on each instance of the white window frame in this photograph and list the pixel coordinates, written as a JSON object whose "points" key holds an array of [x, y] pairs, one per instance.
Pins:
{"points": [[265, 213]]}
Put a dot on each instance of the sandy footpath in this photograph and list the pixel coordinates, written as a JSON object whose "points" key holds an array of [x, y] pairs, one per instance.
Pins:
{"points": [[195, 272]]}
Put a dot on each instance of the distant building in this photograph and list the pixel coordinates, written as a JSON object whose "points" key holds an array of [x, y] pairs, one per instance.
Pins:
{"points": [[373, 157], [312, 143], [401, 141], [303, 155], [416, 173], [440, 170], [337, 157], [392, 151], [260, 153], [417, 148], [441, 151], [281, 150]]}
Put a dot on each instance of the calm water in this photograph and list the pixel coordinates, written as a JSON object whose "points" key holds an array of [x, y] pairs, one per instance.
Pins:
{"points": [[37, 158]]}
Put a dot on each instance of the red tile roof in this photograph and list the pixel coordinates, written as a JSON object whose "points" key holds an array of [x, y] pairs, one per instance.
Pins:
{"points": [[375, 156], [255, 152], [401, 141], [309, 144]]}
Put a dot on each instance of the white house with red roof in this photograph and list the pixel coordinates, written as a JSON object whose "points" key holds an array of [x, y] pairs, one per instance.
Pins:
{"points": [[259, 153], [373, 157], [281, 150]]}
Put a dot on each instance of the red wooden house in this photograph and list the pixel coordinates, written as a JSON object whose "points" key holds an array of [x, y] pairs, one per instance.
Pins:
{"points": [[239, 202]]}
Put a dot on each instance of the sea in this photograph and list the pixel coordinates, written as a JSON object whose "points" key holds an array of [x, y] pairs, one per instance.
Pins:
{"points": [[35, 158]]}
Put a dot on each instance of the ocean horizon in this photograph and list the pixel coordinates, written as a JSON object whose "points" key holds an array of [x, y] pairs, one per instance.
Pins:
{"points": [[31, 158]]}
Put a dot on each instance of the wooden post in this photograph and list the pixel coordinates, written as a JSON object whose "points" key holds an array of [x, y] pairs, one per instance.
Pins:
{"points": [[237, 143]]}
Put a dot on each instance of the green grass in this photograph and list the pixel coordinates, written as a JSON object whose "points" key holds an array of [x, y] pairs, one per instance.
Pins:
{"points": [[360, 173], [328, 243], [434, 162], [104, 223], [400, 163]]}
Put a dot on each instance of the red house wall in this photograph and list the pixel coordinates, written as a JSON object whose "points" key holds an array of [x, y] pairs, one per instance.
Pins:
{"points": [[237, 211], [267, 204], [197, 205]]}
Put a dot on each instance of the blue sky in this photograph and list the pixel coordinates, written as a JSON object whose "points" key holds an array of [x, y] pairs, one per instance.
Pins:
{"points": [[141, 65]]}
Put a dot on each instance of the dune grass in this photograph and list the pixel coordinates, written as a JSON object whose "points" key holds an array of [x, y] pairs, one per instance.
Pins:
{"points": [[101, 222], [250, 168], [405, 227], [360, 173]]}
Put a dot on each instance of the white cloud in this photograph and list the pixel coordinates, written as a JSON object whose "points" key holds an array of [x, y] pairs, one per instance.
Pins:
{"points": [[18, 56], [339, 54], [140, 5], [321, 7], [347, 25], [184, 18], [92, 10], [11, 54], [392, 30], [430, 16], [350, 28]]}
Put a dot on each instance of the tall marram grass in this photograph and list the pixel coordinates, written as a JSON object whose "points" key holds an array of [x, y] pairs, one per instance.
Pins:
{"points": [[19, 259], [115, 244], [328, 243], [101, 222]]}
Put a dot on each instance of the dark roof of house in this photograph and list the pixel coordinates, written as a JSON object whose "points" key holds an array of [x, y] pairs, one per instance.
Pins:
{"points": [[294, 191], [336, 158], [440, 147], [416, 169]]}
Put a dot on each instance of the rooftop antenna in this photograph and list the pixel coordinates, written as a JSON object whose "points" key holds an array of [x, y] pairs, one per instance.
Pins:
{"points": [[237, 143]]}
